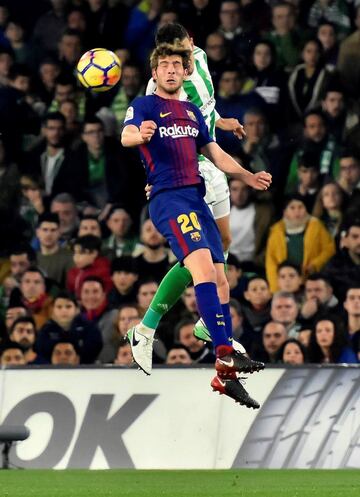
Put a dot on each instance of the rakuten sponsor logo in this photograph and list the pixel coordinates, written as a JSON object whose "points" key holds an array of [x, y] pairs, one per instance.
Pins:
{"points": [[176, 131]]}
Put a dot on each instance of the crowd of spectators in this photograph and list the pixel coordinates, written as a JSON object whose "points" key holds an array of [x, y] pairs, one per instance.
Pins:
{"points": [[79, 258]]}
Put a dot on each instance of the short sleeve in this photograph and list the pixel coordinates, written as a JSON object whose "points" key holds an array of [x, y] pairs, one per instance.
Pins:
{"points": [[136, 112], [203, 137]]}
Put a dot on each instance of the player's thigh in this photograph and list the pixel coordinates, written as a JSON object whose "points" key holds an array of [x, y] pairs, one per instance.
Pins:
{"points": [[201, 266]]}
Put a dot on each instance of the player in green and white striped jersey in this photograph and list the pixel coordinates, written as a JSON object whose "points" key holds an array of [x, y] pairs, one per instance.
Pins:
{"points": [[197, 88]]}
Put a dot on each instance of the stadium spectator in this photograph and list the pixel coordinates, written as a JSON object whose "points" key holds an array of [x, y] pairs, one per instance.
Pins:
{"points": [[23, 331], [317, 140], [70, 48], [273, 336], [17, 118], [267, 80], [217, 56], [88, 262], [299, 238], [329, 344], [319, 300], [94, 307], [145, 294], [49, 71], [231, 102], [70, 110], [352, 308], [348, 61], [289, 279], [327, 35], [11, 354], [341, 119], [261, 149], [126, 316], [329, 207], [285, 36], [49, 27], [64, 206], [32, 202], [240, 37], [285, 310], [64, 353], [307, 80], [89, 225], [53, 259], [50, 159], [15, 33], [154, 260], [256, 307], [33, 295], [199, 351], [343, 269], [250, 219], [67, 324], [292, 352], [124, 356], [124, 275], [21, 258], [13, 312], [235, 276], [100, 164], [178, 355], [308, 173], [335, 11], [120, 242], [349, 177]]}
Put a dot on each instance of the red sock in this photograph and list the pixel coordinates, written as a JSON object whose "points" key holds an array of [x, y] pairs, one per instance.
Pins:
{"points": [[222, 350]]}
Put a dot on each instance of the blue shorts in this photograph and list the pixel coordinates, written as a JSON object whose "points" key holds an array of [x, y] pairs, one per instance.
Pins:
{"points": [[183, 218]]}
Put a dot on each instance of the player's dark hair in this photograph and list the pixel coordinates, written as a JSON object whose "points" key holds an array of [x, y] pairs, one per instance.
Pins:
{"points": [[171, 32], [166, 50]]}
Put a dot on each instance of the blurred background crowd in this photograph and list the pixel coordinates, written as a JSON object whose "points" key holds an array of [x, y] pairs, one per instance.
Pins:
{"points": [[79, 259]]}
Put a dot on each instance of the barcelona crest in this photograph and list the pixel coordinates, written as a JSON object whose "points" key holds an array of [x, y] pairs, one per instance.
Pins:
{"points": [[195, 236]]}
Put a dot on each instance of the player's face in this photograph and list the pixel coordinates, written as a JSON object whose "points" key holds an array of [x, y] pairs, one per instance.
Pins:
{"points": [[169, 74]]}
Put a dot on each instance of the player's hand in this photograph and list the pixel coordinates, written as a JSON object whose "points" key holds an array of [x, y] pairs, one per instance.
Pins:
{"points": [[148, 189], [147, 130], [260, 181], [231, 124]]}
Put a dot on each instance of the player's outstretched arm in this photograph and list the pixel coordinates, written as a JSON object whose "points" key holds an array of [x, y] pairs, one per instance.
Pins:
{"points": [[231, 124], [222, 160], [132, 136]]}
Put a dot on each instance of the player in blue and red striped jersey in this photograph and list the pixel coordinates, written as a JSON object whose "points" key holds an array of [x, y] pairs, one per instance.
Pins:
{"points": [[169, 134]]}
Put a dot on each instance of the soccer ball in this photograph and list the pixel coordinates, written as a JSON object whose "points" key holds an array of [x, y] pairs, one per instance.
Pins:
{"points": [[99, 69]]}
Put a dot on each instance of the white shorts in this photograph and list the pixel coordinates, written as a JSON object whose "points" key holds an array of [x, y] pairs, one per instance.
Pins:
{"points": [[217, 189]]}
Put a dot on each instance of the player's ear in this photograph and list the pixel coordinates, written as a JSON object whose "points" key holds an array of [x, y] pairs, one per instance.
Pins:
{"points": [[192, 43], [153, 74]]}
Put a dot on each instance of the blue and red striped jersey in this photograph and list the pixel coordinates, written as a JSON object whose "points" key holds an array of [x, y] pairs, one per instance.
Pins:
{"points": [[170, 158]]}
